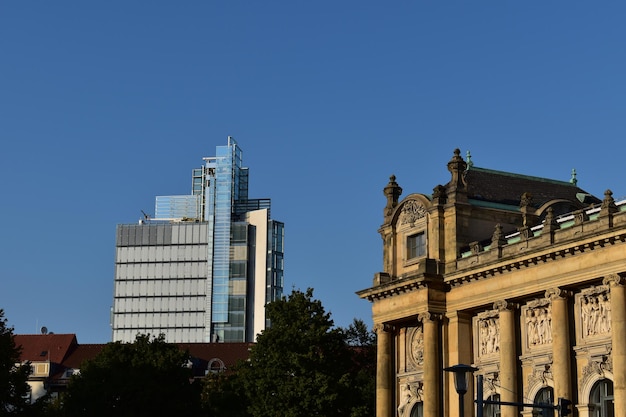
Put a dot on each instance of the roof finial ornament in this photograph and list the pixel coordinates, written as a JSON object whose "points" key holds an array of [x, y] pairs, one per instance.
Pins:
{"points": [[392, 191], [468, 157], [573, 180], [457, 167]]}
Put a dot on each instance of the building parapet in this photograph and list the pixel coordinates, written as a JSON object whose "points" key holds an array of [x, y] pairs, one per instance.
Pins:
{"points": [[565, 221], [582, 226]]}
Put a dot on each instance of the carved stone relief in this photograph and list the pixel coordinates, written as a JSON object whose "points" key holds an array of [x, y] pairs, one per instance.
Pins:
{"points": [[416, 348], [491, 383], [595, 312], [598, 367], [409, 393], [538, 322], [541, 376], [488, 333], [411, 212]]}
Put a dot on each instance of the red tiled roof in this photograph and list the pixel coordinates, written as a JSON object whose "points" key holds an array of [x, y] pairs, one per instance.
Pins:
{"points": [[45, 347], [81, 354], [64, 351]]}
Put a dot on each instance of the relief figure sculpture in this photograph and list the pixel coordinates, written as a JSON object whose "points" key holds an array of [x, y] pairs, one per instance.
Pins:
{"points": [[595, 314], [538, 326], [489, 336]]}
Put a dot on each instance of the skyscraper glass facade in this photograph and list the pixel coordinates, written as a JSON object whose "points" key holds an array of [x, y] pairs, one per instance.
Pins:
{"points": [[240, 248]]}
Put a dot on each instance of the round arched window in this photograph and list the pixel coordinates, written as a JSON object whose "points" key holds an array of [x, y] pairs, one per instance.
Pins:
{"points": [[601, 399], [545, 396]]}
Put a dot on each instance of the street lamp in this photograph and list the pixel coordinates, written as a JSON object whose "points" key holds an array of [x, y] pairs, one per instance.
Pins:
{"points": [[461, 382]]}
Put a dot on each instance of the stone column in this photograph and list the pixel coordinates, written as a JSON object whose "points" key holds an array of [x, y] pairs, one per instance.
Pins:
{"points": [[459, 342], [617, 285], [561, 364], [432, 370], [508, 356], [384, 371]]}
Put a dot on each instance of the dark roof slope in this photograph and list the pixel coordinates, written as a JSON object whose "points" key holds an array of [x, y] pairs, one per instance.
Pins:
{"points": [[507, 188], [229, 353], [81, 354], [45, 347]]}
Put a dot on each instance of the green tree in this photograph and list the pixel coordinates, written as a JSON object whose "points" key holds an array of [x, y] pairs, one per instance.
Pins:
{"points": [[301, 365], [357, 334], [14, 387], [146, 378], [223, 396], [362, 376]]}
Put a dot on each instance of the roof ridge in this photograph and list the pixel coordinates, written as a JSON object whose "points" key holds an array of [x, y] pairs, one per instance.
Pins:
{"points": [[523, 176]]}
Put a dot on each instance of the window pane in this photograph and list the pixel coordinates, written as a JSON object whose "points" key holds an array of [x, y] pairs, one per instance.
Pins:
{"points": [[417, 410], [492, 410], [545, 396], [415, 246], [601, 399]]}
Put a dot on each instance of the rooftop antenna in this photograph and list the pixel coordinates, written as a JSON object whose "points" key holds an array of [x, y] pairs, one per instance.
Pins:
{"points": [[146, 217]]}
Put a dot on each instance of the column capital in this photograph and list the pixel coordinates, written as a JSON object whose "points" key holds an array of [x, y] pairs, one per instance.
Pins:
{"points": [[428, 316], [557, 293], [504, 305], [614, 280], [382, 328]]}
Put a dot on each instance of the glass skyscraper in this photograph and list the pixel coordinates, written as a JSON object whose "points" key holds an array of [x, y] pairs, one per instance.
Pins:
{"points": [[204, 266]]}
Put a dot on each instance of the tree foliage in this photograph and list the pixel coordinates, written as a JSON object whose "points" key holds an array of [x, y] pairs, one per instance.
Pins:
{"points": [[362, 343], [14, 387], [223, 396], [146, 378], [302, 365], [357, 334]]}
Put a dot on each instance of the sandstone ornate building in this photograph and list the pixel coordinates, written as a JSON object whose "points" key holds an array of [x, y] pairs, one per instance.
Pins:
{"points": [[521, 277]]}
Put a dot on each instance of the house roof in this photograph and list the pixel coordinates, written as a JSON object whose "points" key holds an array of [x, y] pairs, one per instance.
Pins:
{"points": [[507, 188], [229, 353], [45, 347], [63, 349], [64, 352], [82, 353]]}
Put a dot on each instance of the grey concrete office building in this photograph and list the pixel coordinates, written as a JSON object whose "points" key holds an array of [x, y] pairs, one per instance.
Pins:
{"points": [[205, 265]]}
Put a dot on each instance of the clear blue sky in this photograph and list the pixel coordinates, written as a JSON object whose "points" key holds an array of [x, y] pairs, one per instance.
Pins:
{"points": [[104, 105]]}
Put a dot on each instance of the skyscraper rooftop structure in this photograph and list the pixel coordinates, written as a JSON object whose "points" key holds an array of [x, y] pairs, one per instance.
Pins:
{"points": [[205, 265]]}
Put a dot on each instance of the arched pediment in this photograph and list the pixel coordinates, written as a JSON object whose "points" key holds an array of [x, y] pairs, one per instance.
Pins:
{"points": [[538, 379], [596, 370], [413, 208]]}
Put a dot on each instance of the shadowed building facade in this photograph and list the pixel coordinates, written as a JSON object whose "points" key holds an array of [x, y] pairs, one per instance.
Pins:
{"points": [[521, 277]]}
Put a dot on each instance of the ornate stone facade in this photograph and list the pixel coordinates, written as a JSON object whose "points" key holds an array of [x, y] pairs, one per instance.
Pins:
{"points": [[411, 212], [487, 333], [521, 277]]}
